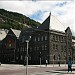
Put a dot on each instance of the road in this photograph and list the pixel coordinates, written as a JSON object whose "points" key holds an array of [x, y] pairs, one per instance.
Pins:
{"points": [[7, 69]]}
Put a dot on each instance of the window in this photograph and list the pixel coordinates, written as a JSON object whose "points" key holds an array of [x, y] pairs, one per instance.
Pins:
{"points": [[35, 39], [59, 38], [38, 38], [21, 57], [45, 47], [61, 48], [54, 37], [45, 37], [62, 39], [42, 47], [17, 57], [56, 47], [42, 38], [53, 46]]}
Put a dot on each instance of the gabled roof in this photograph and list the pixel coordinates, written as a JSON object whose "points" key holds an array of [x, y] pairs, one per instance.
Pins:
{"points": [[52, 23], [2, 34], [16, 32]]}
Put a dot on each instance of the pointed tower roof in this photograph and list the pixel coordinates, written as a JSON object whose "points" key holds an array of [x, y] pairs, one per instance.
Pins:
{"points": [[52, 23], [46, 24]]}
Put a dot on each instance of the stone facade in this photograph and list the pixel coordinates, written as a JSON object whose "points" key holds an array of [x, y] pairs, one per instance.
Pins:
{"points": [[53, 46]]}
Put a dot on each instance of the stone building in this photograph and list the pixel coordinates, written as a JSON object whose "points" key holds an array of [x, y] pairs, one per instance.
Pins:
{"points": [[50, 41]]}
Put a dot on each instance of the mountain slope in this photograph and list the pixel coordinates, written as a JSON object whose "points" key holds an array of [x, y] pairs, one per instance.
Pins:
{"points": [[15, 20]]}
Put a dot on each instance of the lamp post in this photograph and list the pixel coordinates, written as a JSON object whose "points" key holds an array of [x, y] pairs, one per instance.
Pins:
{"points": [[40, 59], [27, 42], [27, 58]]}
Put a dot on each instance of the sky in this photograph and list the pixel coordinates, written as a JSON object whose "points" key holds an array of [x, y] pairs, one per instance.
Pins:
{"points": [[40, 10]]}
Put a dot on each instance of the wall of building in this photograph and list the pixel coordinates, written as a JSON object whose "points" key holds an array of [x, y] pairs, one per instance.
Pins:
{"points": [[57, 47]]}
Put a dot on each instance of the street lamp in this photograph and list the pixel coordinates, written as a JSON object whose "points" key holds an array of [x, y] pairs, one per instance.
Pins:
{"points": [[27, 42], [40, 59]]}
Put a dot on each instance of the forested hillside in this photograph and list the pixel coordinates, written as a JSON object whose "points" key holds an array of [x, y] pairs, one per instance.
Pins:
{"points": [[15, 20]]}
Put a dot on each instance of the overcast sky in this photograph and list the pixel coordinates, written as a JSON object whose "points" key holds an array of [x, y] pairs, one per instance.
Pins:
{"points": [[39, 10]]}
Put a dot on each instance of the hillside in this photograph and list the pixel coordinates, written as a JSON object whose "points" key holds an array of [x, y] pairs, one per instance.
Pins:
{"points": [[15, 20]]}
